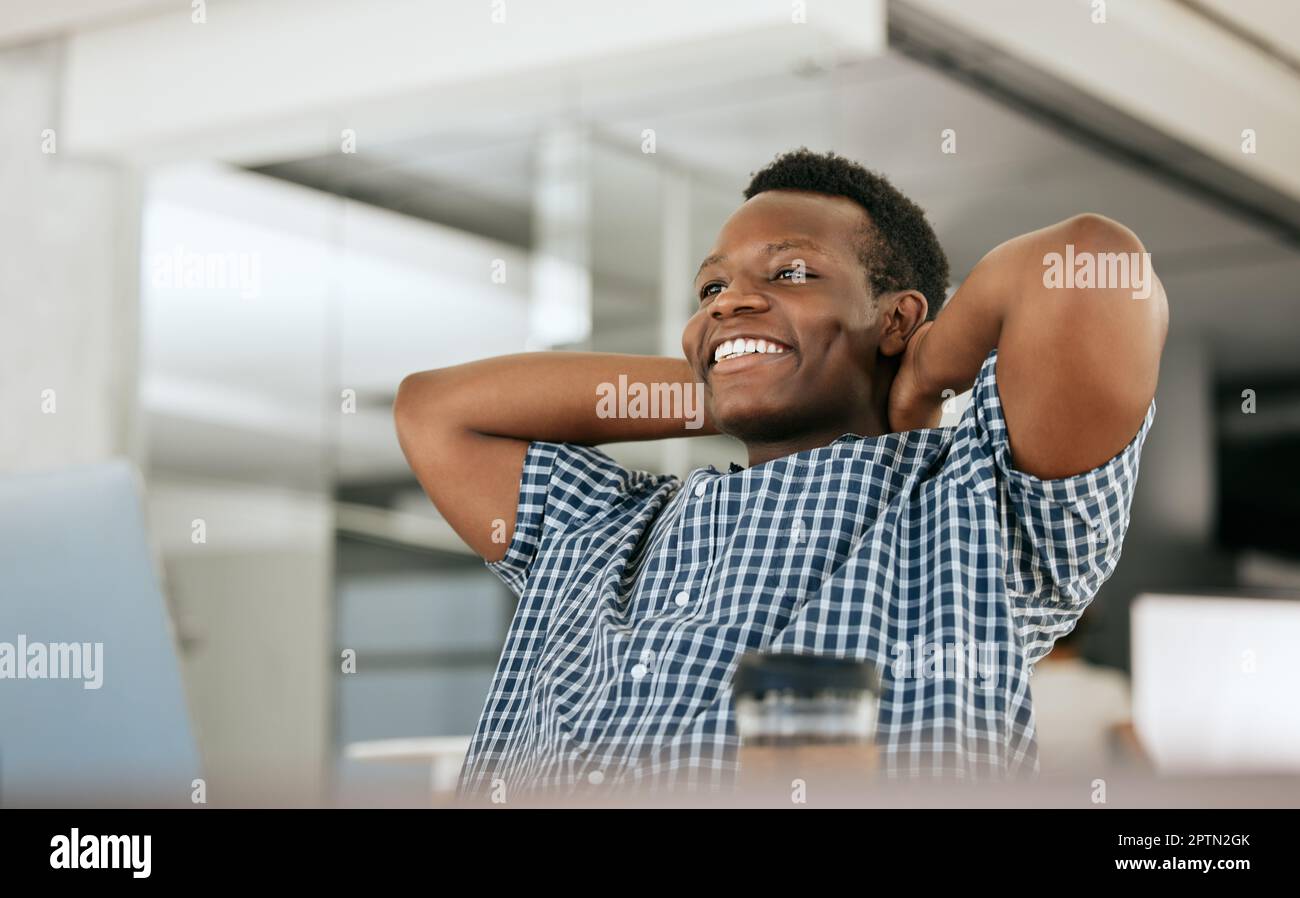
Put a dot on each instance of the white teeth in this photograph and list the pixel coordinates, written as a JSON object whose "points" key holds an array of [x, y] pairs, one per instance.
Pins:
{"points": [[730, 349]]}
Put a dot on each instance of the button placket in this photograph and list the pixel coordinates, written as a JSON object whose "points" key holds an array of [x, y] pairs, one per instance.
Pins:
{"points": [[644, 666]]}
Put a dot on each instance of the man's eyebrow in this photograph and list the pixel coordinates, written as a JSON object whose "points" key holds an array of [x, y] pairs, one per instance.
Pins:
{"points": [[770, 249], [709, 260], [773, 248]]}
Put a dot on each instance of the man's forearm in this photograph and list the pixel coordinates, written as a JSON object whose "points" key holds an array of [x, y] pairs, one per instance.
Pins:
{"points": [[573, 397], [971, 323]]}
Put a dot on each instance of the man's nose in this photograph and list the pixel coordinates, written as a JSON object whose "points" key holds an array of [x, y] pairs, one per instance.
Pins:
{"points": [[737, 299]]}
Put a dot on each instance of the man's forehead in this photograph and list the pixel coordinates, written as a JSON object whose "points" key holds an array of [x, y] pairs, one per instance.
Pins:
{"points": [[781, 220], [814, 214], [772, 248]]}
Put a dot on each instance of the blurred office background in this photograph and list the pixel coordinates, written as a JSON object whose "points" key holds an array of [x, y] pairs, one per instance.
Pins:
{"points": [[227, 240]]}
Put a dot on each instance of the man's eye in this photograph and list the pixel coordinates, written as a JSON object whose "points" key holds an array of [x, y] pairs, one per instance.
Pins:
{"points": [[707, 290], [805, 275]]}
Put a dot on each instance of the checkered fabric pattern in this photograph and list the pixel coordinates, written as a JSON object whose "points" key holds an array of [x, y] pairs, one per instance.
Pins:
{"points": [[924, 552]]}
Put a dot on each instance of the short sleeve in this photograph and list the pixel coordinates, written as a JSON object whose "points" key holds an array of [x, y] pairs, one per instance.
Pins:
{"points": [[561, 487], [1062, 536]]}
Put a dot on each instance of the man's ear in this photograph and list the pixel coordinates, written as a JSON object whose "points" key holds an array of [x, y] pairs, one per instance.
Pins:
{"points": [[903, 313]]}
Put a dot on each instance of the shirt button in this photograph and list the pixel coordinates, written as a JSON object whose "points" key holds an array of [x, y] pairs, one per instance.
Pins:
{"points": [[639, 671], [701, 488], [595, 777], [681, 599]]}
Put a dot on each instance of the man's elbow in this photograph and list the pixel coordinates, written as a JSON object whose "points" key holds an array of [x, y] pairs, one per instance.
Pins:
{"points": [[414, 399], [1095, 233], [1120, 265], [1117, 305]]}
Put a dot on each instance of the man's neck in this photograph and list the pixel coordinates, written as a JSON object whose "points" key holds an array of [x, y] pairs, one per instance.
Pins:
{"points": [[867, 425]]}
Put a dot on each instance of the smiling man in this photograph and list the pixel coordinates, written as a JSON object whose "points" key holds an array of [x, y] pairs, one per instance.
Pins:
{"points": [[859, 529]]}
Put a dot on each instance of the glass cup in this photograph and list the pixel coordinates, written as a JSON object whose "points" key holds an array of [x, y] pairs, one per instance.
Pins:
{"points": [[805, 719]]}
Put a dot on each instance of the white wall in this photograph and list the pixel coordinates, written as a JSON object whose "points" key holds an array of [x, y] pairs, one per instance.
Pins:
{"points": [[67, 300], [252, 606]]}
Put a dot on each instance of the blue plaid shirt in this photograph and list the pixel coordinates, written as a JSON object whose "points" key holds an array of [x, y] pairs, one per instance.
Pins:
{"points": [[924, 552]]}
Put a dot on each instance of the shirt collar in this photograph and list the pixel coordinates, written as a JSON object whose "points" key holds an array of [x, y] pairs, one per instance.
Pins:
{"points": [[846, 438]]}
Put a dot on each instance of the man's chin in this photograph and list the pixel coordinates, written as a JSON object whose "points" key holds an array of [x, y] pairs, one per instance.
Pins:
{"points": [[755, 423]]}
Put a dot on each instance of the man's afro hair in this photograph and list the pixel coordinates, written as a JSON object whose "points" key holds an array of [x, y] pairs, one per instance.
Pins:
{"points": [[898, 248]]}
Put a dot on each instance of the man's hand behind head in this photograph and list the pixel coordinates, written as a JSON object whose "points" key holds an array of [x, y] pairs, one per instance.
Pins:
{"points": [[913, 404]]}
